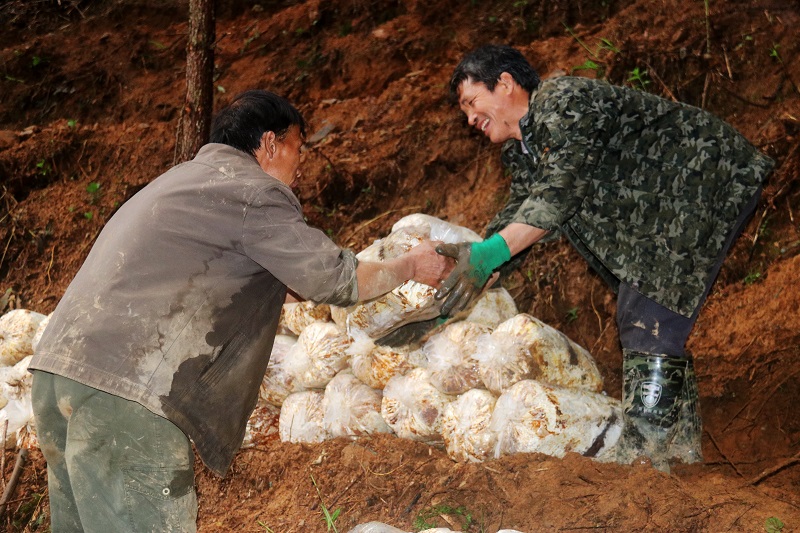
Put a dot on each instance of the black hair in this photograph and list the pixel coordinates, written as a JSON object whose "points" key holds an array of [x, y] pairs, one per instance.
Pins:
{"points": [[252, 113], [485, 64]]}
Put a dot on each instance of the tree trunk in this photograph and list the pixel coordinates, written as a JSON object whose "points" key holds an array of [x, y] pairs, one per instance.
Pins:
{"points": [[195, 120]]}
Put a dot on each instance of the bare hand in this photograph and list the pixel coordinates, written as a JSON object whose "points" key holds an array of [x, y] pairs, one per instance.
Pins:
{"points": [[430, 267]]}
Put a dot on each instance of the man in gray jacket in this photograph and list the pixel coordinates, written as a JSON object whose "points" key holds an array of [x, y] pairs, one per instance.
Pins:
{"points": [[650, 192], [165, 333]]}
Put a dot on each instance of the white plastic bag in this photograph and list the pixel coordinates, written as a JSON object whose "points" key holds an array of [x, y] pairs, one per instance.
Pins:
{"points": [[319, 354], [502, 361], [15, 405], [278, 383], [375, 365], [296, 316], [301, 418], [450, 357], [556, 359], [494, 307], [351, 408], [39, 332], [412, 406], [536, 417], [410, 302], [465, 426], [17, 329]]}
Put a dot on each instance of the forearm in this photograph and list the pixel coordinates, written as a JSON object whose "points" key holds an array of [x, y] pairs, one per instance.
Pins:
{"points": [[520, 236], [375, 279]]}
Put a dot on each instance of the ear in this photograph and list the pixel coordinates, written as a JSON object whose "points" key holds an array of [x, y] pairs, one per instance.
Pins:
{"points": [[268, 143], [507, 82]]}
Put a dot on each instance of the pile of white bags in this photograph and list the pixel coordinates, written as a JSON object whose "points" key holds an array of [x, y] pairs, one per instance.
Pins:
{"points": [[20, 331], [495, 383], [379, 527]]}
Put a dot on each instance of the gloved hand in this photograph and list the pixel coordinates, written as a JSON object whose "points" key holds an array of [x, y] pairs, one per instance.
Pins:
{"points": [[475, 262]]}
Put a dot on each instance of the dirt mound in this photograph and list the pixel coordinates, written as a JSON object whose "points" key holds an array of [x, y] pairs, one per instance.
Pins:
{"points": [[89, 103]]}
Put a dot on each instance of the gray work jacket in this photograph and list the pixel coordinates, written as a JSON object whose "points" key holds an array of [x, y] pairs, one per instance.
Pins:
{"points": [[177, 304]]}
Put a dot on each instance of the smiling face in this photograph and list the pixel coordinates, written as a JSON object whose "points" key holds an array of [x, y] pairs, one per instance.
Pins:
{"points": [[495, 113]]}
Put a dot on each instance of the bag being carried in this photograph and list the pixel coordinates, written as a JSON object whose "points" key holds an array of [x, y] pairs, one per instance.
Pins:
{"points": [[411, 301]]}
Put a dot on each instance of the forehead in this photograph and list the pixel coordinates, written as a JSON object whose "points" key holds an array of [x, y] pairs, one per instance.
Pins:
{"points": [[469, 89]]}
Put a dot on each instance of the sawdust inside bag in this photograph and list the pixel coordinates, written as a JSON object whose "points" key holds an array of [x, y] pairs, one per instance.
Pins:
{"points": [[351, 408], [278, 383], [556, 359], [502, 361], [411, 301], [532, 416], [17, 329], [450, 357], [263, 426], [412, 406], [296, 316], [494, 307], [465, 426], [301, 418], [319, 354], [39, 332], [375, 365]]}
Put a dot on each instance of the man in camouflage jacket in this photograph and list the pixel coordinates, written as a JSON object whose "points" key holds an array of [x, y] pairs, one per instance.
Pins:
{"points": [[651, 192]]}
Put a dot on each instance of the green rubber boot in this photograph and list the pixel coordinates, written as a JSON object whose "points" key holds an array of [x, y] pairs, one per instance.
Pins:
{"points": [[653, 389], [686, 443]]}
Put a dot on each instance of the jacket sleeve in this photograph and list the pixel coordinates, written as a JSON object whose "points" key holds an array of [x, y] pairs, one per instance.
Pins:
{"points": [[303, 258]]}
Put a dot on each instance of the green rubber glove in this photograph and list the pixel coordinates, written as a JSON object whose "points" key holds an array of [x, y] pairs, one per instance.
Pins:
{"points": [[475, 262]]}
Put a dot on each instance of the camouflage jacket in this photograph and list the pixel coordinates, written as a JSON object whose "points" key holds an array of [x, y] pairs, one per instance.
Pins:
{"points": [[646, 189]]}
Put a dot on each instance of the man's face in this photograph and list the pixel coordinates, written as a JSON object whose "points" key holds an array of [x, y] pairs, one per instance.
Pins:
{"points": [[286, 165], [489, 111]]}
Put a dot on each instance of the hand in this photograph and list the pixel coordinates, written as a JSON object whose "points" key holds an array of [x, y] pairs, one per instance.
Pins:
{"points": [[430, 267], [475, 263]]}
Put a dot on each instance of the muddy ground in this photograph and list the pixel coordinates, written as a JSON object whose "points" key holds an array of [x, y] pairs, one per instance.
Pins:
{"points": [[90, 93]]}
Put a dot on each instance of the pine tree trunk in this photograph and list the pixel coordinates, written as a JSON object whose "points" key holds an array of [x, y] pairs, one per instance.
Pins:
{"points": [[195, 121]]}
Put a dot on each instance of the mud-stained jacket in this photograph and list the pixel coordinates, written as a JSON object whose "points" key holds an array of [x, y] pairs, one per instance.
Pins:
{"points": [[177, 304], [647, 190]]}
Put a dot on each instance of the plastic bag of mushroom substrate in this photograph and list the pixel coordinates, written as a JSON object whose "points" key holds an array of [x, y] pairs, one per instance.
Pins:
{"points": [[301, 418], [351, 408], [412, 406], [412, 301], [524, 347], [16, 408], [296, 316], [17, 331], [450, 357], [278, 383], [319, 354], [535, 417], [375, 365]]}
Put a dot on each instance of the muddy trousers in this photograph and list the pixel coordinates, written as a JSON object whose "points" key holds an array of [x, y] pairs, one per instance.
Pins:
{"points": [[112, 465], [660, 398]]}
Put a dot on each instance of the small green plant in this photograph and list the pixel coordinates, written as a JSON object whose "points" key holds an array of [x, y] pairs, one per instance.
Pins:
{"points": [[773, 525], [595, 63], [328, 517], [773, 52], [94, 192], [72, 123], [752, 277], [421, 521], [36, 61], [220, 89], [44, 167], [572, 315], [638, 79], [88, 215]]}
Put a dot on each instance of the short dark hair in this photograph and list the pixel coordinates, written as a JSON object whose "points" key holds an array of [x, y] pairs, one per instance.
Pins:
{"points": [[485, 64], [242, 123]]}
